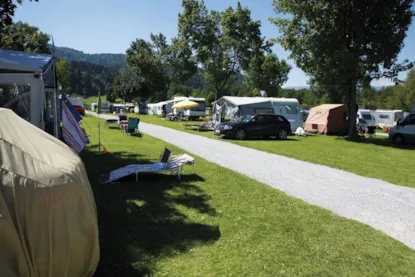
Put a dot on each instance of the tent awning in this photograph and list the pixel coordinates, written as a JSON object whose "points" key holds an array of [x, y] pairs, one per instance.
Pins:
{"points": [[24, 61]]}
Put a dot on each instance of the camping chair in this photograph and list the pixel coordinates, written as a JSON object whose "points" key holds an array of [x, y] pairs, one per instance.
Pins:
{"points": [[175, 165], [132, 125]]}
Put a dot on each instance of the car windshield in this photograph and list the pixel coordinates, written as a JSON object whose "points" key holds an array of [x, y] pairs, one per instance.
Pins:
{"points": [[246, 118], [367, 117]]}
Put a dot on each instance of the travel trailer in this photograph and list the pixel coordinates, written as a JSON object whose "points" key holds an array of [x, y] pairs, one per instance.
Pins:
{"points": [[233, 108], [387, 118], [366, 115], [105, 107], [191, 113]]}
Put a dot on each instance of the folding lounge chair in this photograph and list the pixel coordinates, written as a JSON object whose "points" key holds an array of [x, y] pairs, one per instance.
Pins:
{"points": [[175, 165], [131, 126]]}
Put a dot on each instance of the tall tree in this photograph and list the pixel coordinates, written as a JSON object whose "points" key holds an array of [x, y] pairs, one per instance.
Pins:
{"points": [[223, 42], [23, 37], [410, 90], [7, 8], [342, 42], [63, 73]]}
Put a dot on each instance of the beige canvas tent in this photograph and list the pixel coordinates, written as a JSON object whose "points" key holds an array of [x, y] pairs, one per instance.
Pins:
{"points": [[48, 220], [327, 119]]}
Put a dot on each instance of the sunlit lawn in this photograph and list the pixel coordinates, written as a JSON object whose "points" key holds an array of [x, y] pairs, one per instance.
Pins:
{"points": [[375, 158], [220, 223]]}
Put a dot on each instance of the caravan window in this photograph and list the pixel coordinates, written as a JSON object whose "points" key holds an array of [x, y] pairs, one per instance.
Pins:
{"points": [[367, 117], [264, 110], [200, 108], [384, 116], [291, 109]]}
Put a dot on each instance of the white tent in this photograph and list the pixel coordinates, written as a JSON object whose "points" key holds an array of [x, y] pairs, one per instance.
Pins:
{"points": [[37, 102]]}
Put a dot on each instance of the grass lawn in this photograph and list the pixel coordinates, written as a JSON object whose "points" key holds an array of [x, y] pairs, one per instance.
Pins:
{"points": [[375, 158], [220, 223]]}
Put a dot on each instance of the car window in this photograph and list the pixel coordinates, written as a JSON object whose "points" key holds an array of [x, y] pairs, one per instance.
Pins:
{"points": [[260, 118], [367, 117], [411, 120], [280, 118]]}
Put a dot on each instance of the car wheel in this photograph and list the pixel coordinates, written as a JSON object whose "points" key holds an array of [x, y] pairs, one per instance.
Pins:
{"points": [[240, 135], [282, 134], [397, 139]]}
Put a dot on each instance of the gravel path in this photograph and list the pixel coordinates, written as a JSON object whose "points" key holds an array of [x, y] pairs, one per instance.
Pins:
{"points": [[384, 206]]}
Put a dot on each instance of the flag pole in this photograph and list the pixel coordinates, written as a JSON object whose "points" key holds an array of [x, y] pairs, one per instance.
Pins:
{"points": [[99, 122]]}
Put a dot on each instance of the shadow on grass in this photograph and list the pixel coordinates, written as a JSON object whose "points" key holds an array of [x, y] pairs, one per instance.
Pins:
{"points": [[385, 142], [139, 222], [263, 139]]}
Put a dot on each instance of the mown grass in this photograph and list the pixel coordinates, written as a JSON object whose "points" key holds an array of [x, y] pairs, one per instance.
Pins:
{"points": [[374, 158], [220, 223]]}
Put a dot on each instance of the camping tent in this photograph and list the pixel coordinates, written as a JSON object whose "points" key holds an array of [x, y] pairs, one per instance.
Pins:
{"points": [[327, 119], [48, 219]]}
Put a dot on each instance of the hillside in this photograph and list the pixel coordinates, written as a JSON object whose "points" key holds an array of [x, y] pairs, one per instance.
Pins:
{"points": [[79, 56]]}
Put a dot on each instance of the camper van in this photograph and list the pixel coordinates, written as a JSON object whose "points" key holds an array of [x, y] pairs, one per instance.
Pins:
{"points": [[404, 131], [387, 118], [105, 107], [367, 116], [192, 113]]}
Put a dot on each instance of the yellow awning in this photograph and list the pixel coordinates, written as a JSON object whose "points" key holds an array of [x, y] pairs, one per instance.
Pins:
{"points": [[185, 104]]}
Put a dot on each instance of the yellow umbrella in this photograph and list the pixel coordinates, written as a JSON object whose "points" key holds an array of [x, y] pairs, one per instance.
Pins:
{"points": [[185, 104]]}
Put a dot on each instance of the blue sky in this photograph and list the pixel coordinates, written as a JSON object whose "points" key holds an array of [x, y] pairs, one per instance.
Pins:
{"points": [[108, 26]]}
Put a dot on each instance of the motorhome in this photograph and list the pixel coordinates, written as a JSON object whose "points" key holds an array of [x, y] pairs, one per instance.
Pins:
{"points": [[191, 113], [367, 116], [404, 131], [387, 118], [232, 108], [105, 107]]}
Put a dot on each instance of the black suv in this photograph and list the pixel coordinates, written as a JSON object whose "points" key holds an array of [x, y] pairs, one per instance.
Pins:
{"points": [[261, 125]]}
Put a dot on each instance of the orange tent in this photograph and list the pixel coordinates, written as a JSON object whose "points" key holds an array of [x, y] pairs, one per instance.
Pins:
{"points": [[327, 119]]}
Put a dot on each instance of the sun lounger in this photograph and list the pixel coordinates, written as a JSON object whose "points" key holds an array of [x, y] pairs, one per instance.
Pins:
{"points": [[200, 127], [174, 166]]}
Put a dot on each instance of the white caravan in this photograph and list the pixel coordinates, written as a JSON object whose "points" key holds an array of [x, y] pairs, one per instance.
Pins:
{"points": [[387, 118], [196, 112], [367, 115], [404, 131], [290, 109]]}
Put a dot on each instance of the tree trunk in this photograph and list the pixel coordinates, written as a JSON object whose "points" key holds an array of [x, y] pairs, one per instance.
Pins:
{"points": [[352, 112]]}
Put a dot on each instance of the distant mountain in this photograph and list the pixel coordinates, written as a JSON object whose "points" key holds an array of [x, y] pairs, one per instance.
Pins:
{"points": [[79, 56]]}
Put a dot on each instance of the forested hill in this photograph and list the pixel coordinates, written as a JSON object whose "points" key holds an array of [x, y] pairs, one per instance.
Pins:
{"points": [[79, 56]]}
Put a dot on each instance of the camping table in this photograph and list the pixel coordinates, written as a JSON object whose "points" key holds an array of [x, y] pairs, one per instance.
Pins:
{"points": [[111, 121]]}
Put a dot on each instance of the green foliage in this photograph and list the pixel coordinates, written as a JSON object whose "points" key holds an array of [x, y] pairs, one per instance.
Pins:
{"points": [[330, 41], [225, 44], [88, 79], [63, 73], [79, 56], [23, 37], [7, 8]]}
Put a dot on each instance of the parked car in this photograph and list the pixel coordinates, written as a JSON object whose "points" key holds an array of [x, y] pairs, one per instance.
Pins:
{"points": [[260, 125], [404, 131], [79, 109]]}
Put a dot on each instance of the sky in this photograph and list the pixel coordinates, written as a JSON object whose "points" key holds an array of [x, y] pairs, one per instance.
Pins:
{"points": [[108, 26]]}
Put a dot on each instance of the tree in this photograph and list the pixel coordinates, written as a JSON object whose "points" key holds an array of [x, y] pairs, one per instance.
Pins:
{"points": [[7, 8], [267, 72], [23, 37], [409, 86], [223, 42], [341, 43], [63, 73]]}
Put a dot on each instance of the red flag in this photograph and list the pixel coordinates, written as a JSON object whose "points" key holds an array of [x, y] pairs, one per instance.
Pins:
{"points": [[105, 150]]}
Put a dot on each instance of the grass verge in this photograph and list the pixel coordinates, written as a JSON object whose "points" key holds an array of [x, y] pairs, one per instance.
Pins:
{"points": [[220, 223], [374, 158]]}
